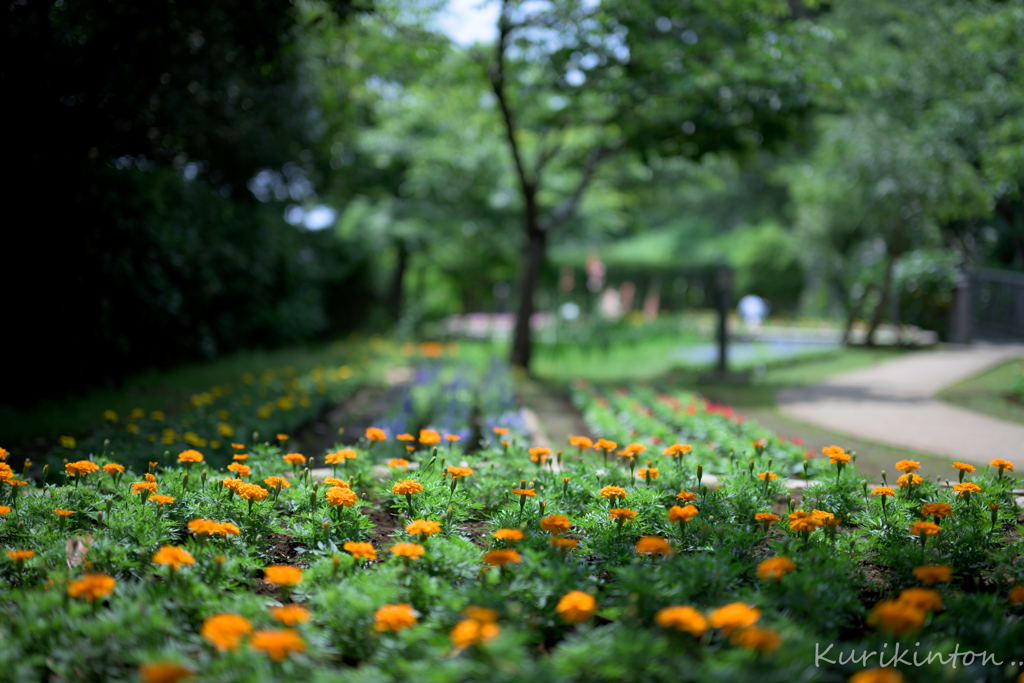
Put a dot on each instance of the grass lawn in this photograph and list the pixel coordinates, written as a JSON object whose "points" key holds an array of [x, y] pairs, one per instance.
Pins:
{"points": [[990, 392]]}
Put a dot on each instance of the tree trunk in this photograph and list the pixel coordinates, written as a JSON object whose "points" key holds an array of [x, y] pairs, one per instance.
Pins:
{"points": [[536, 245], [884, 294], [397, 295]]}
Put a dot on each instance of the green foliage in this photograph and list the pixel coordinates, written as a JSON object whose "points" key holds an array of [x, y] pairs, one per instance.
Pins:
{"points": [[768, 262]]}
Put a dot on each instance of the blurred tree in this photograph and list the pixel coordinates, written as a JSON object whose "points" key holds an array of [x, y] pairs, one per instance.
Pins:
{"points": [[578, 82]]}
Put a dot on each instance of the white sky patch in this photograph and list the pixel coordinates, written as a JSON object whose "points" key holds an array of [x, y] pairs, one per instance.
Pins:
{"points": [[470, 21]]}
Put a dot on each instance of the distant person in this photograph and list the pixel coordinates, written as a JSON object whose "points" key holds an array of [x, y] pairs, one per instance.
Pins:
{"points": [[753, 310]]}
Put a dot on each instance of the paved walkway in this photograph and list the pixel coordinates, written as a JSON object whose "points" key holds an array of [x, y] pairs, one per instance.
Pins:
{"points": [[893, 403]]}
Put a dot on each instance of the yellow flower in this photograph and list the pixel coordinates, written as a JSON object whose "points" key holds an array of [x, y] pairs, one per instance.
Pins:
{"points": [[173, 556], [634, 449], [682, 618], [642, 472], [653, 545], [908, 466], [966, 489], [774, 568], [190, 456], [239, 469], [963, 467], [612, 492], [110, 416], [883, 491], [67, 441], [225, 631], [410, 550], [501, 557], [113, 468], [375, 434], [457, 473], [555, 524], [677, 449], [575, 607], [294, 458], [1002, 464], [334, 481], [897, 617], [140, 486], [734, 615], [81, 467], [163, 672], [605, 445], [423, 528], [289, 615], [278, 644], [836, 455], [282, 575], [429, 437], [92, 586], [909, 479], [580, 441], [360, 551], [508, 534], [394, 617], [802, 521]]}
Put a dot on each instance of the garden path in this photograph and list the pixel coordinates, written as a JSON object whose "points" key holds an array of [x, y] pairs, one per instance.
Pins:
{"points": [[894, 403]]}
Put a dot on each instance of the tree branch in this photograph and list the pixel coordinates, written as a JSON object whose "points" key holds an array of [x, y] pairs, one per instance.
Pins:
{"points": [[497, 78], [565, 210]]}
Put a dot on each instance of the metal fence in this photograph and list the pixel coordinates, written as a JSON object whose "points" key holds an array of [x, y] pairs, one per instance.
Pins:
{"points": [[996, 304]]}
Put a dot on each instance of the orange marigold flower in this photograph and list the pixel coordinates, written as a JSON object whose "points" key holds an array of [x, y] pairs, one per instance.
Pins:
{"points": [[800, 520], [239, 469], [360, 551], [375, 434], [238, 446], [964, 467], [755, 638], [1016, 595], [966, 489], [563, 543], [909, 479], [92, 586], [823, 516], [278, 644], [405, 437], [140, 486], [686, 496], [508, 534], [575, 607], [939, 510], [252, 491], [907, 466], [394, 617], [410, 550], [163, 672], [766, 517], [677, 449], [877, 675], [836, 455], [20, 555], [469, 632], [933, 573], [682, 618], [289, 615], [924, 529], [282, 437], [612, 492], [225, 631], [240, 456], [678, 514], [634, 449], [282, 575], [232, 484], [555, 524], [190, 456], [113, 468], [897, 617], [173, 556], [653, 545], [81, 467], [161, 500], [771, 476], [1002, 464], [337, 495], [605, 445], [883, 491], [622, 514], [501, 557], [334, 481], [407, 487], [294, 458], [775, 568], [457, 473], [922, 598], [537, 451], [274, 482], [734, 615], [529, 493], [63, 513], [580, 441], [500, 430], [428, 437], [642, 473], [398, 462], [423, 528], [452, 437]]}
